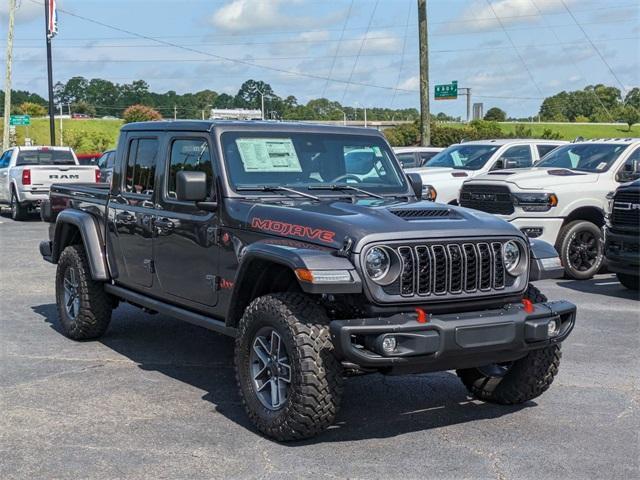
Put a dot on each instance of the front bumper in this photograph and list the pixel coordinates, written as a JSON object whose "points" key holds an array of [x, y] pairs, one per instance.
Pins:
{"points": [[622, 251], [549, 227], [451, 341]]}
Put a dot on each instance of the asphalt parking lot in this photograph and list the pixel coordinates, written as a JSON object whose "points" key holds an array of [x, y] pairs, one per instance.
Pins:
{"points": [[156, 398]]}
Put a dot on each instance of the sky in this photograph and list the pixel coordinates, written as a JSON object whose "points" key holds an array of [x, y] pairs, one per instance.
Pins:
{"points": [[511, 53]]}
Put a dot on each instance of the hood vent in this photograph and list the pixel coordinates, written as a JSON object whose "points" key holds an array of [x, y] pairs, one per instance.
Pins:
{"points": [[563, 173], [422, 213], [502, 172]]}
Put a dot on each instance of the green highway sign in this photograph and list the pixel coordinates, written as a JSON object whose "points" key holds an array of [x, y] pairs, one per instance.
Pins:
{"points": [[19, 120], [447, 91]]}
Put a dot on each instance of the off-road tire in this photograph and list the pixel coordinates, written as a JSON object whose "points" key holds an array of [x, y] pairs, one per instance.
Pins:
{"points": [[565, 237], [526, 379], [18, 211], [315, 389], [94, 314], [632, 282]]}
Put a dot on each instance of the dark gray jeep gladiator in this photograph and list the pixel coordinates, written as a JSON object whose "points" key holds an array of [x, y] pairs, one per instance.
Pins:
{"points": [[310, 246]]}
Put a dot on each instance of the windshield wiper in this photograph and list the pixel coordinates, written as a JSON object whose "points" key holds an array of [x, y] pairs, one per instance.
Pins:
{"points": [[274, 188], [342, 186]]}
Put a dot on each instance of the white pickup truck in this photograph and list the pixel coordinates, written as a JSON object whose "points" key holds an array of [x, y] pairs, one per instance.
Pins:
{"points": [[26, 173], [448, 170], [563, 199]]}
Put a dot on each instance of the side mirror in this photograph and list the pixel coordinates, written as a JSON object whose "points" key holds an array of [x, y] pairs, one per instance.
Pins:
{"points": [[629, 172], [191, 186], [499, 165], [415, 180], [510, 163]]}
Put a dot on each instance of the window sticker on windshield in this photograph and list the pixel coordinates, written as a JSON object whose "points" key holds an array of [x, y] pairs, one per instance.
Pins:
{"points": [[377, 152], [268, 155], [601, 166]]}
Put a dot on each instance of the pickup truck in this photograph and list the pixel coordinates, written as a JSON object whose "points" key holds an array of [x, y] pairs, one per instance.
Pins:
{"points": [[319, 259], [449, 169], [563, 199], [26, 173], [622, 235]]}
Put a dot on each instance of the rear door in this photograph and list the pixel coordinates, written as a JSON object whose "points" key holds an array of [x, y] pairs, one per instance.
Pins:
{"points": [[131, 210], [185, 246]]}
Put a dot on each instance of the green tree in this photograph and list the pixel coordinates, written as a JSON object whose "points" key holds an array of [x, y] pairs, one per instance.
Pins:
{"points": [[32, 109], [495, 114], [99, 141], [140, 113], [84, 108], [630, 115], [73, 138], [633, 98]]}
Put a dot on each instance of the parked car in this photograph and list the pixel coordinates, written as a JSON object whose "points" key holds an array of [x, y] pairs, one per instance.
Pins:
{"points": [[562, 200], [105, 164], [251, 229], [448, 170], [622, 233], [26, 173], [411, 157], [87, 158]]}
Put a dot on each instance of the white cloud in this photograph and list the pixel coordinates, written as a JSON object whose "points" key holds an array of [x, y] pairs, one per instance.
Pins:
{"points": [[411, 83], [481, 16]]}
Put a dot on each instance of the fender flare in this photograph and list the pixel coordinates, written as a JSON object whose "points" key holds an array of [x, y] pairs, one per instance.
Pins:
{"points": [[544, 261], [91, 239]]}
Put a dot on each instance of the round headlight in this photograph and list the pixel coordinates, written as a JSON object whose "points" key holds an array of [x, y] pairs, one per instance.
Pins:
{"points": [[377, 263], [511, 256]]}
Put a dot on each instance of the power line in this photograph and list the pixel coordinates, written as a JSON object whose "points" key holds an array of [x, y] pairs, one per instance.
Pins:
{"points": [[335, 57], [364, 40], [584, 32]]}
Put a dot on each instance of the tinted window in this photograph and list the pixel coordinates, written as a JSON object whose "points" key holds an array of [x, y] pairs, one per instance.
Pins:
{"points": [[517, 157], [544, 149], [407, 160], [586, 157], [141, 166], [302, 159], [190, 155], [425, 157], [45, 157], [103, 161], [111, 159], [5, 159], [467, 157], [628, 172]]}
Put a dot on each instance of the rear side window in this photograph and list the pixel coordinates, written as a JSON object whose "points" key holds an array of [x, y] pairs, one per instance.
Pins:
{"points": [[544, 149], [190, 155], [141, 166], [425, 157], [45, 157]]}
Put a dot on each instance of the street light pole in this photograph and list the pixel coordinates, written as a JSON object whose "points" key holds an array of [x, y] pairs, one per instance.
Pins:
{"points": [[7, 83]]}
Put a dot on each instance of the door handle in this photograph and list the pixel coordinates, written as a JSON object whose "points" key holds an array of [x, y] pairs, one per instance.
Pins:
{"points": [[125, 217], [164, 225]]}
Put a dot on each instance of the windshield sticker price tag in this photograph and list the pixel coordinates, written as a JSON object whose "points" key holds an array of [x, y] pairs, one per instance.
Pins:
{"points": [[268, 155], [601, 166]]}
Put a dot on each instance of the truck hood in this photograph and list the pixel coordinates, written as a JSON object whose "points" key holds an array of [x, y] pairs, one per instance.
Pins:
{"points": [[330, 221], [537, 178]]}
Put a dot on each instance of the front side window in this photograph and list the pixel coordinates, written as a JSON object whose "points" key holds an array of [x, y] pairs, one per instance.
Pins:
{"points": [[190, 155], [584, 157], [141, 166], [544, 149], [301, 160], [630, 169], [407, 160], [45, 156], [465, 157], [425, 157], [517, 157]]}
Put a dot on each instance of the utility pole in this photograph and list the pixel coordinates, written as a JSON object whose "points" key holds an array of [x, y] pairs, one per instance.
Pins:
{"points": [[175, 112], [61, 138], [365, 116], [7, 83], [423, 35], [48, 35]]}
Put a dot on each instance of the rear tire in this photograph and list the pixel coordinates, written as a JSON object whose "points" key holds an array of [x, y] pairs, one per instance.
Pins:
{"points": [[581, 249], [84, 308], [311, 376], [18, 211], [518, 381], [629, 281]]}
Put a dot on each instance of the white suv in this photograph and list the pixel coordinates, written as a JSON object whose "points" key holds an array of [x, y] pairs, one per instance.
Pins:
{"points": [[563, 199], [448, 170]]}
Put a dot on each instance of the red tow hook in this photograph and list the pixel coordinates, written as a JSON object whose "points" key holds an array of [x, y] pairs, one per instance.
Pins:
{"points": [[422, 316], [528, 305]]}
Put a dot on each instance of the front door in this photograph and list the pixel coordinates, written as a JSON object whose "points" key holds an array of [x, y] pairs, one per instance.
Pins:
{"points": [[131, 211], [4, 176], [185, 243]]}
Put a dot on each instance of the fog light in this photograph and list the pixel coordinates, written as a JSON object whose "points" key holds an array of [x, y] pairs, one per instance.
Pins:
{"points": [[553, 327], [389, 344]]}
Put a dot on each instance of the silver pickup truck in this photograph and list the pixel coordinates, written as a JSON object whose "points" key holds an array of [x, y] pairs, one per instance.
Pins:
{"points": [[26, 174]]}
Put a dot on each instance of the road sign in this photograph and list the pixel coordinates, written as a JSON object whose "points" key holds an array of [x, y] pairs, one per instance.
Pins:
{"points": [[19, 120], [447, 91]]}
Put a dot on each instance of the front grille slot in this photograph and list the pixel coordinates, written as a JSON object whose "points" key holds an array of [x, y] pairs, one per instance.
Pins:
{"points": [[485, 266], [471, 259], [440, 269], [425, 270], [408, 268]]}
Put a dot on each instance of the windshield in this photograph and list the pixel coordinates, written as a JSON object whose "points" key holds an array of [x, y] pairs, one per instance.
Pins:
{"points": [[466, 157], [585, 157], [45, 157], [301, 160]]}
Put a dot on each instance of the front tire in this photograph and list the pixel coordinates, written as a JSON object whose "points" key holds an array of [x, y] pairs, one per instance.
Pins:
{"points": [[289, 379], [18, 211], [581, 249], [629, 281], [84, 308], [519, 381]]}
